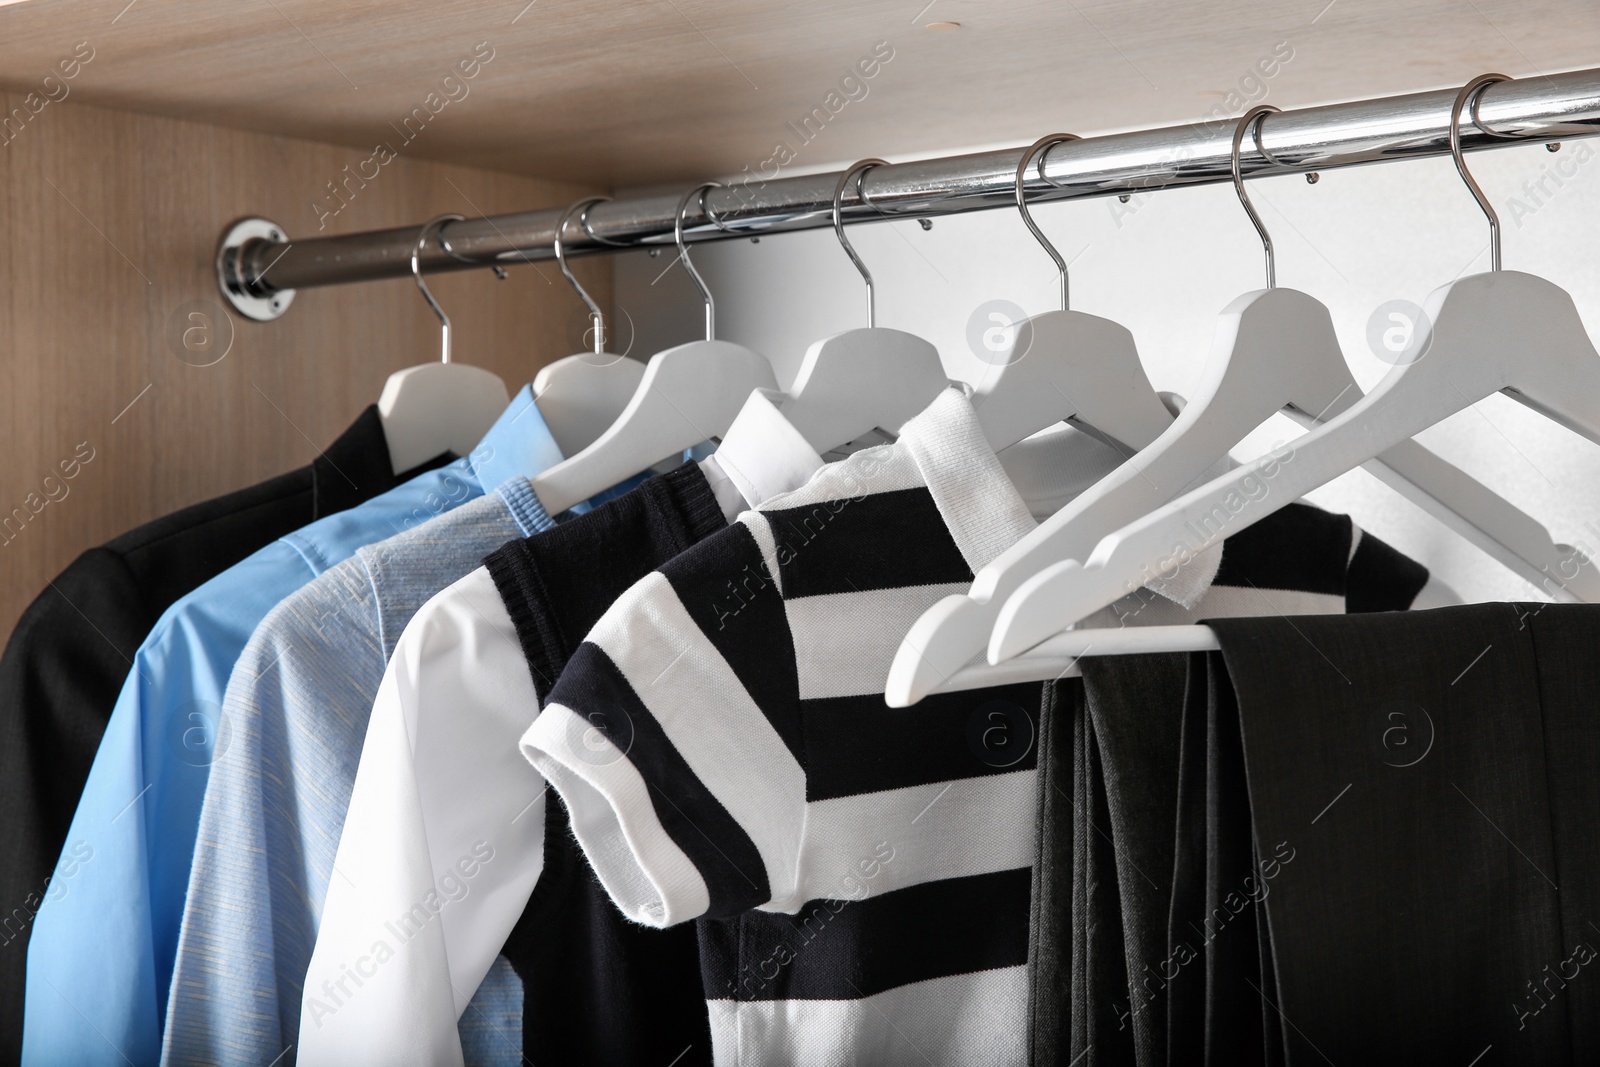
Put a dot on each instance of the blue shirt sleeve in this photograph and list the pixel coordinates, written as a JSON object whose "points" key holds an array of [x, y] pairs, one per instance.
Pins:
{"points": [[101, 955]]}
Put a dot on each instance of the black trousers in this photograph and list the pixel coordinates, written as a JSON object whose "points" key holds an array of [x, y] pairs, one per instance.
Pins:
{"points": [[1347, 839]]}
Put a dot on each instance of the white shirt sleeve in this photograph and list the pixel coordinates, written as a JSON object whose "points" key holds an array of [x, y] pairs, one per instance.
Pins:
{"points": [[442, 845]]}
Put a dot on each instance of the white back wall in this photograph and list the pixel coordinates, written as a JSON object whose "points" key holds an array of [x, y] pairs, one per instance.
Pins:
{"points": [[1166, 263]]}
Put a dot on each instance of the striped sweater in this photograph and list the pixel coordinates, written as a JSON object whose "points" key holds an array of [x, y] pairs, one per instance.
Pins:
{"points": [[861, 873]]}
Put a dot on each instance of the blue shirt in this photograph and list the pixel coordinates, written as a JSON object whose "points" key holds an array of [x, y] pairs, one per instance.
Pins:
{"points": [[101, 957], [298, 704]]}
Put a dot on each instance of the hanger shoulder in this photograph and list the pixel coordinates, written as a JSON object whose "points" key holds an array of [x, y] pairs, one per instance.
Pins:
{"points": [[1523, 332], [1487, 520], [581, 395], [861, 380], [1460, 502], [1473, 511], [1067, 590], [438, 407], [1269, 345], [1494, 331], [686, 395], [1058, 657], [1063, 364]]}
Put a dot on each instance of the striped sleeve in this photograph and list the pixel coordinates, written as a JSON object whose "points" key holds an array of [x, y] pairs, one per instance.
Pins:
{"points": [[672, 735], [1379, 577]]}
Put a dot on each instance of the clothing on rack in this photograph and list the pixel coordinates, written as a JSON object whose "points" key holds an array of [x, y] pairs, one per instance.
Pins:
{"points": [[1108, 786], [71, 649], [750, 776], [1418, 806], [442, 787], [297, 704], [101, 958], [464, 646], [741, 684], [549, 586], [464, 643], [779, 757]]}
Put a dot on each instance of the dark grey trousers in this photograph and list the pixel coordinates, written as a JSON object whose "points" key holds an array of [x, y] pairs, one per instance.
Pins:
{"points": [[1346, 839]]}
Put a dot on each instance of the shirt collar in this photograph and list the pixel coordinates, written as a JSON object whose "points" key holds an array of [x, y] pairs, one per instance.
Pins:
{"points": [[760, 456], [982, 508], [985, 513], [518, 444]]}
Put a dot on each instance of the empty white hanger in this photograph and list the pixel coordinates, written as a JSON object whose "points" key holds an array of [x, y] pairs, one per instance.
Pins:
{"points": [[1061, 363], [688, 394], [866, 379], [1498, 331], [1274, 349], [1057, 657], [437, 407], [580, 395], [1066, 364]]}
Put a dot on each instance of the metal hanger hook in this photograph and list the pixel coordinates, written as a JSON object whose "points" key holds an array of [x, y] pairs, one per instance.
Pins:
{"points": [[683, 251], [858, 174], [1253, 119], [1041, 148], [1472, 92], [596, 316], [429, 228]]}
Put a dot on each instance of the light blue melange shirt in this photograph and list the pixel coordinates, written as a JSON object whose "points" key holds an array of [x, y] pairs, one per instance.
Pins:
{"points": [[101, 957], [298, 704]]}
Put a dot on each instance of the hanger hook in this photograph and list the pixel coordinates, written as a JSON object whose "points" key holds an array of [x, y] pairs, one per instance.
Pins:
{"points": [[683, 251], [858, 174], [1041, 148], [595, 315], [428, 228], [1254, 118], [1473, 92], [583, 220]]}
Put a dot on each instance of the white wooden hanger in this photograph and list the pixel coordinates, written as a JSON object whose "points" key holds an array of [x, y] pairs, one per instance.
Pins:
{"points": [[1061, 364], [1498, 331], [1066, 364], [1274, 349], [687, 394], [1271, 347], [437, 407], [580, 395], [861, 380], [1057, 657]]}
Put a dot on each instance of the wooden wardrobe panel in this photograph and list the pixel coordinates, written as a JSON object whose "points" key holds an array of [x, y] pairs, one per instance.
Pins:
{"points": [[111, 221], [681, 91]]}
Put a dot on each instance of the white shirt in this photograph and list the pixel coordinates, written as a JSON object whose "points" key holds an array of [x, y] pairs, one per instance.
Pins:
{"points": [[443, 789], [444, 838]]}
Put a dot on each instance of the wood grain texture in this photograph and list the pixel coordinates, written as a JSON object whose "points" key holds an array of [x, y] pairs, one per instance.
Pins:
{"points": [[110, 222], [629, 92]]}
